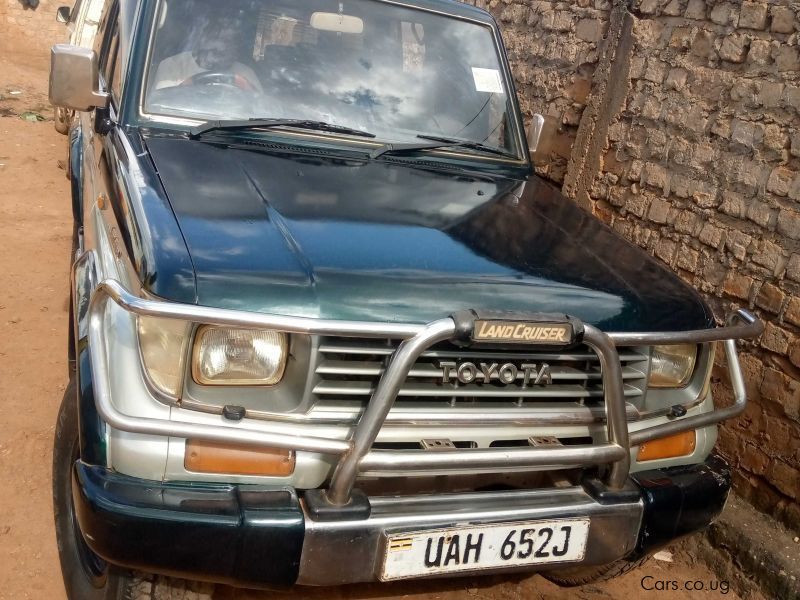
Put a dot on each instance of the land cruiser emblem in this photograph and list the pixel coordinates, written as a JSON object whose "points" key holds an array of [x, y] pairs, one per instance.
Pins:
{"points": [[524, 333], [507, 373]]}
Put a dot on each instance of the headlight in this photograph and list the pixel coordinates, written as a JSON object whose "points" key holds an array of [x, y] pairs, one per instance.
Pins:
{"points": [[672, 366], [227, 356], [163, 347]]}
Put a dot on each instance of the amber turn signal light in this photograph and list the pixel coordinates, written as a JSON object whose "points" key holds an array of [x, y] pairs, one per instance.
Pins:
{"points": [[680, 444], [235, 459]]}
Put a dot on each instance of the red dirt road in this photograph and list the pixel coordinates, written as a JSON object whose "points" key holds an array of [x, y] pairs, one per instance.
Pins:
{"points": [[35, 229]]}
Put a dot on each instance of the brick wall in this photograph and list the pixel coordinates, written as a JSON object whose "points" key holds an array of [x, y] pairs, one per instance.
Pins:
{"points": [[701, 169], [677, 122], [554, 53], [30, 30]]}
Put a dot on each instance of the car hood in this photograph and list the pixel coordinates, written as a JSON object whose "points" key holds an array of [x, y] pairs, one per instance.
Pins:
{"points": [[394, 240]]}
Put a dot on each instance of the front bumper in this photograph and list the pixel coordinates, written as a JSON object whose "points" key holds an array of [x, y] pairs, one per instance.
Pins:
{"points": [[265, 537]]}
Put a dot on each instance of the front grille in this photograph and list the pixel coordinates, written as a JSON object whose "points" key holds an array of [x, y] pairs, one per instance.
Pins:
{"points": [[349, 369]]}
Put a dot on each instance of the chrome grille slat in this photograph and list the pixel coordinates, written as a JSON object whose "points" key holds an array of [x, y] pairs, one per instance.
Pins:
{"points": [[365, 388], [498, 411], [368, 368], [385, 350]]}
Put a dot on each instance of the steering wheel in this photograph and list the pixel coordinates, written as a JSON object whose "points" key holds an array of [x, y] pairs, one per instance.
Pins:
{"points": [[218, 78]]}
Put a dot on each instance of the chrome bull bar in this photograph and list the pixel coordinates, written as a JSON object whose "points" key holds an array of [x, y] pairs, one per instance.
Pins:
{"points": [[355, 459], [356, 454]]}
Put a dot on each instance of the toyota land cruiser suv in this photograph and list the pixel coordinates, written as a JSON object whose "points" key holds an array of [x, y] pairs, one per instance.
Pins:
{"points": [[327, 326]]}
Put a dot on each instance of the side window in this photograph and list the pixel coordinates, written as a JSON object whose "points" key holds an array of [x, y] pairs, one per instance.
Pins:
{"points": [[109, 46], [102, 27], [76, 9], [116, 76], [106, 36], [111, 68]]}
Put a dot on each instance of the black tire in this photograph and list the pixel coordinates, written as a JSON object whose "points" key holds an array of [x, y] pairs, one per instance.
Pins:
{"points": [[86, 575], [578, 576]]}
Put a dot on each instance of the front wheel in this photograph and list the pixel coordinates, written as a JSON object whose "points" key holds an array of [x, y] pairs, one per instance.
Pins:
{"points": [[577, 576], [86, 575]]}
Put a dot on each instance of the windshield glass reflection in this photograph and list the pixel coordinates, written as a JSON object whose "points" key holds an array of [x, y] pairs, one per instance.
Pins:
{"points": [[394, 71]]}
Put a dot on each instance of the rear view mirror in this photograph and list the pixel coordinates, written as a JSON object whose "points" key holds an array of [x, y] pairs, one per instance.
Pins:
{"points": [[75, 79], [339, 23], [63, 14], [535, 132]]}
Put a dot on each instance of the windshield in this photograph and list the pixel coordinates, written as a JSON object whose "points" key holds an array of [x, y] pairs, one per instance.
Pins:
{"points": [[392, 71]]}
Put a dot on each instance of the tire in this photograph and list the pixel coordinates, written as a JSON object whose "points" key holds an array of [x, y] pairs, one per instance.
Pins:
{"points": [[86, 575], [578, 576]]}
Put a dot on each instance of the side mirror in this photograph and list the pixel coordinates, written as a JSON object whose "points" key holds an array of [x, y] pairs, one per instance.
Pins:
{"points": [[63, 14], [75, 79], [535, 132]]}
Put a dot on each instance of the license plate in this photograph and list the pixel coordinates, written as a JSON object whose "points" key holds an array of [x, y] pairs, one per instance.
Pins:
{"points": [[484, 547]]}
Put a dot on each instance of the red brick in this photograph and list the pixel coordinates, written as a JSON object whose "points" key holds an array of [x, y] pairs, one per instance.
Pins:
{"points": [[659, 209], [774, 384], [665, 250], [779, 434], [780, 179], [751, 422], [754, 459], [688, 260], [711, 235], [745, 486], [782, 22], [792, 313], [793, 267], [737, 243], [714, 275], [729, 443], [769, 255], [789, 224], [776, 339], [765, 497], [686, 222], [794, 353], [753, 371], [783, 390], [738, 285], [753, 15], [770, 298], [786, 478]]}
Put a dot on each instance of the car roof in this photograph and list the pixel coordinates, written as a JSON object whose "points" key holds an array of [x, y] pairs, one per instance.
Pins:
{"points": [[451, 7]]}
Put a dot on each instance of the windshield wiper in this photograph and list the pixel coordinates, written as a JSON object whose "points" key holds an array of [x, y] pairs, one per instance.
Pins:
{"points": [[242, 124], [439, 142]]}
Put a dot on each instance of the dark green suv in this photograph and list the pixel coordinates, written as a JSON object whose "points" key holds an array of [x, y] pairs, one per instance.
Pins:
{"points": [[329, 327]]}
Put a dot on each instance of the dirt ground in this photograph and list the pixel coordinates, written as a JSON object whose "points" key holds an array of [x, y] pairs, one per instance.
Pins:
{"points": [[35, 224]]}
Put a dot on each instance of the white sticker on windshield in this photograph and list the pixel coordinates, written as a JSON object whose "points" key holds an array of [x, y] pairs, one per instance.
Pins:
{"points": [[488, 80]]}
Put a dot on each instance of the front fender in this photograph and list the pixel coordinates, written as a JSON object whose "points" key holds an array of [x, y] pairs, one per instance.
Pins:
{"points": [[84, 282], [75, 173], [91, 427]]}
